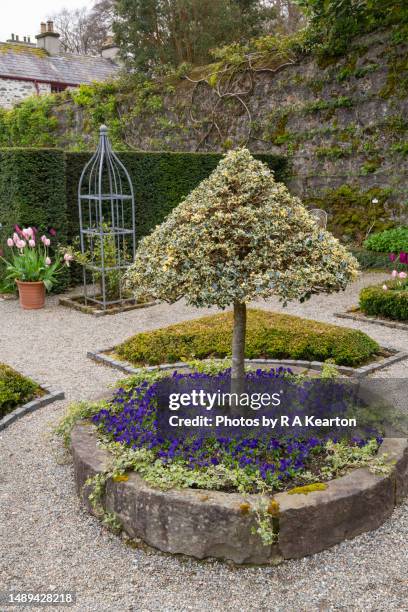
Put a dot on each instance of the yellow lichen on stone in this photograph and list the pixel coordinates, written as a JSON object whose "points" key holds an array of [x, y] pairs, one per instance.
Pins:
{"points": [[121, 478], [273, 508], [310, 488], [244, 508]]}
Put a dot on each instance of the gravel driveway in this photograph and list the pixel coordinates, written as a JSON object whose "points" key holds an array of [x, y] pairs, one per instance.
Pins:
{"points": [[48, 542]]}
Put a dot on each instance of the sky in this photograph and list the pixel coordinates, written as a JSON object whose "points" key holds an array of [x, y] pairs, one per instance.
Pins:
{"points": [[23, 17]]}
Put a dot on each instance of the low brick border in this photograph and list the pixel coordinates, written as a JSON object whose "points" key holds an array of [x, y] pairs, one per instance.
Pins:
{"points": [[361, 318], [101, 356], [69, 302], [50, 397], [205, 524]]}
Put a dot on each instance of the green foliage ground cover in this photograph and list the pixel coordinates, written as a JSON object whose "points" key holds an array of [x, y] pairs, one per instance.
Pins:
{"points": [[269, 335], [15, 389]]}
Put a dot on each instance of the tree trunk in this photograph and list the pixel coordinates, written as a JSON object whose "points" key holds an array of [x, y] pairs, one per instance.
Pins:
{"points": [[238, 348]]}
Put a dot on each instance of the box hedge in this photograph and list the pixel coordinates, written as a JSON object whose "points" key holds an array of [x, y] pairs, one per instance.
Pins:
{"points": [[392, 304], [15, 389], [269, 335]]}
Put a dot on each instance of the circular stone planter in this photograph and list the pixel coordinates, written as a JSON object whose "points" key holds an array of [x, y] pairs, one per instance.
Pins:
{"points": [[212, 524]]}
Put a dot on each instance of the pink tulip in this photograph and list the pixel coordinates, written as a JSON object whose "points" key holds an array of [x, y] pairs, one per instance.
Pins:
{"points": [[20, 244], [18, 230], [31, 243], [15, 238], [394, 274], [402, 275], [10, 242], [46, 241], [47, 261], [385, 287], [27, 232], [67, 259]]}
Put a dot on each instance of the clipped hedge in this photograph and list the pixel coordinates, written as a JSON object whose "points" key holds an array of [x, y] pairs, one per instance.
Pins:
{"points": [[32, 193], [160, 180], [392, 304], [32, 189], [39, 186], [15, 389], [390, 241], [269, 335]]}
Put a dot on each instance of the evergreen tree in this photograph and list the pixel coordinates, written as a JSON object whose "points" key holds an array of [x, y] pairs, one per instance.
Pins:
{"points": [[237, 237]]}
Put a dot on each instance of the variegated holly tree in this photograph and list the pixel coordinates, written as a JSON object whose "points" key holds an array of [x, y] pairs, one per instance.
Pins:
{"points": [[239, 236]]}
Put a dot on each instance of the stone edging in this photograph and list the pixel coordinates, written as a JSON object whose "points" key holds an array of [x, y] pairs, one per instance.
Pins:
{"points": [[101, 356], [361, 318], [50, 397], [71, 303], [205, 524]]}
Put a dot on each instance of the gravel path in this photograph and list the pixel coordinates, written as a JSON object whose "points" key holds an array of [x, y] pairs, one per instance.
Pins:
{"points": [[47, 541]]}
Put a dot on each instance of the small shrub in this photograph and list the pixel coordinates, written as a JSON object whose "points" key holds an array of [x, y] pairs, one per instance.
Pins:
{"points": [[269, 335], [388, 241], [391, 303], [15, 389]]}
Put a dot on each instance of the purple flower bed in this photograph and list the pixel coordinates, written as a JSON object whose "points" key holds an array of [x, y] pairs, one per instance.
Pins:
{"points": [[132, 420]]}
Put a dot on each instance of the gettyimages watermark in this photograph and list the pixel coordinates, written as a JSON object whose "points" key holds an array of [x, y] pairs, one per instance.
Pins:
{"points": [[342, 408]]}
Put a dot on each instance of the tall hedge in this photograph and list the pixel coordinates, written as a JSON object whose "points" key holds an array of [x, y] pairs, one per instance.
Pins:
{"points": [[32, 189], [160, 181], [40, 186]]}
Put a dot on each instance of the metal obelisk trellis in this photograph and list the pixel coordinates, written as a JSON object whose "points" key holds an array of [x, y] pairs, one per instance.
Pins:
{"points": [[107, 225]]}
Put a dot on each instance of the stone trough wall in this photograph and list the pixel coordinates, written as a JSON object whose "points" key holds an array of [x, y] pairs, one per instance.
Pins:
{"points": [[212, 524]]}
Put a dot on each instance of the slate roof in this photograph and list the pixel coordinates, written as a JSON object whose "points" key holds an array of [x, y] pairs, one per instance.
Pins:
{"points": [[36, 65]]}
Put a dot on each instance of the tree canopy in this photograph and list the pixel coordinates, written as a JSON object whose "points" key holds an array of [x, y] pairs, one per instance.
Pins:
{"points": [[238, 236]]}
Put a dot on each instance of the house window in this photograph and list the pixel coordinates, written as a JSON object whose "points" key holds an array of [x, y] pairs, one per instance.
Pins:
{"points": [[57, 87]]}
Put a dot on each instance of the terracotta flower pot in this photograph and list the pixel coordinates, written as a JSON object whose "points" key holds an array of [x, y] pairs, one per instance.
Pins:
{"points": [[32, 295]]}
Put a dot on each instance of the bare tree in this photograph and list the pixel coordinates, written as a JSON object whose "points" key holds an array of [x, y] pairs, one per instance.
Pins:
{"points": [[84, 31]]}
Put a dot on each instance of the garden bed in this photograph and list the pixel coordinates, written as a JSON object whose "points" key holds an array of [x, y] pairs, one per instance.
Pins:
{"points": [[78, 303], [19, 396], [288, 340], [228, 498]]}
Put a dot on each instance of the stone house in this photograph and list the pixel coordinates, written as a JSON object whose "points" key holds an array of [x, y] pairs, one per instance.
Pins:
{"points": [[28, 69]]}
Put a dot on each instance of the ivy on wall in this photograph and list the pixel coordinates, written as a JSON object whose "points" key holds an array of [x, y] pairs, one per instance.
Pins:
{"points": [[353, 213]]}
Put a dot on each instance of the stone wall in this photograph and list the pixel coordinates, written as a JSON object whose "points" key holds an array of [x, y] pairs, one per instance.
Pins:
{"points": [[13, 91], [343, 124]]}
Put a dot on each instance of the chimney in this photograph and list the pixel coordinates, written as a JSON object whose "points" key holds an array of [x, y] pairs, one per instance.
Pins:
{"points": [[48, 39], [24, 42], [110, 50]]}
